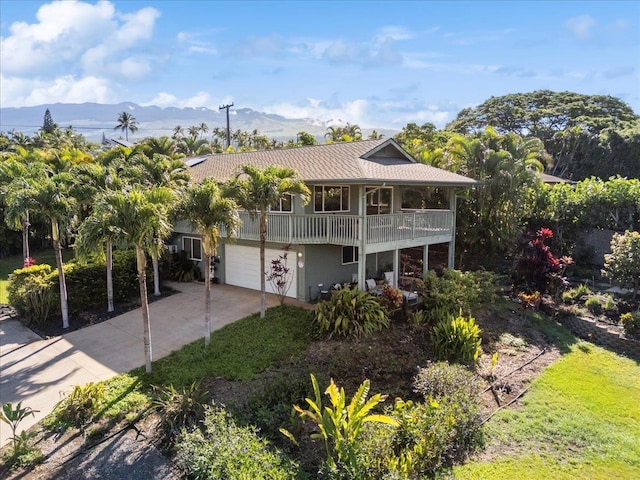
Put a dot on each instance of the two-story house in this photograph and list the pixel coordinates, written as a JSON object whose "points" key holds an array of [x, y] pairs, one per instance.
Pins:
{"points": [[369, 200]]}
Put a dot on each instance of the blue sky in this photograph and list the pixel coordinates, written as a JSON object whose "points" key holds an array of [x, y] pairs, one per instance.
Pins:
{"points": [[374, 63]]}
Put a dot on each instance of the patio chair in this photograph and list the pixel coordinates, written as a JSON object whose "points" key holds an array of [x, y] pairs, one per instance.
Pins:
{"points": [[373, 287]]}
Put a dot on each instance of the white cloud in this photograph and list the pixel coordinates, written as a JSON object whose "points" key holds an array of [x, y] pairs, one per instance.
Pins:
{"points": [[393, 33], [75, 46], [16, 92], [581, 26]]}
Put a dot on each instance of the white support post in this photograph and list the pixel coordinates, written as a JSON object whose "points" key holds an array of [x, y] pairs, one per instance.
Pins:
{"points": [[453, 206], [396, 267], [425, 260], [362, 229]]}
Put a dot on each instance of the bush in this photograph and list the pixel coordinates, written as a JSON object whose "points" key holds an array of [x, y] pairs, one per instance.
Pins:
{"points": [[631, 323], [457, 339], [178, 409], [594, 305], [29, 292], [182, 269], [350, 312], [455, 290], [430, 438], [80, 406], [441, 379], [573, 294], [622, 265], [391, 298], [225, 451], [538, 268]]}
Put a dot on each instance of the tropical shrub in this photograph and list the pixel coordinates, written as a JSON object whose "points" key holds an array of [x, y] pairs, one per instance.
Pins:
{"points": [[622, 265], [594, 305], [538, 269], [29, 292], [573, 294], [178, 409], [455, 290], [21, 453], [631, 323], [80, 406], [226, 451], [340, 425], [441, 379], [391, 298], [350, 312], [457, 339], [182, 269], [430, 437]]}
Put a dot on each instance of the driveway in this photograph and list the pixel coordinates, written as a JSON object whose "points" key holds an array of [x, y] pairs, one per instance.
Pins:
{"points": [[37, 372]]}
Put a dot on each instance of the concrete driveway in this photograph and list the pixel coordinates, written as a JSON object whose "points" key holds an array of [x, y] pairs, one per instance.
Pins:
{"points": [[37, 371]]}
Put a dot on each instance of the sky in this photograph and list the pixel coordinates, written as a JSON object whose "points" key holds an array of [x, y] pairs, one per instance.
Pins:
{"points": [[379, 64]]}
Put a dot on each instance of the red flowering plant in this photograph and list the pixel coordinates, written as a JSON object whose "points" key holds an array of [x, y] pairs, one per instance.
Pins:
{"points": [[28, 262], [538, 269]]}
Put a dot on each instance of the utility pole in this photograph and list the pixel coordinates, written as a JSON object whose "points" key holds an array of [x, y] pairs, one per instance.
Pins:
{"points": [[228, 128]]}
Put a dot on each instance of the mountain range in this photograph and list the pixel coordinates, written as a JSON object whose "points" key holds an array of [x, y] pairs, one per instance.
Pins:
{"points": [[95, 119]]}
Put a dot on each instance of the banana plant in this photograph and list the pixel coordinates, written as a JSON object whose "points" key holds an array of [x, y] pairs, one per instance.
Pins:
{"points": [[339, 425], [13, 416]]}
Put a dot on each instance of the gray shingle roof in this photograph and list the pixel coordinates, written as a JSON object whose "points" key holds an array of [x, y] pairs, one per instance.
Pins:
{"points": [[365, 161]]}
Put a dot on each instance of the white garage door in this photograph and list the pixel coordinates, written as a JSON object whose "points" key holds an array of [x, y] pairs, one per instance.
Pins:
{"points": [[242, 267]]}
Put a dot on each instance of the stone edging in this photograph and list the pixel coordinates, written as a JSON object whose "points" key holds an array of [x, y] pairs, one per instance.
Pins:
{"points": [[589, 329]]}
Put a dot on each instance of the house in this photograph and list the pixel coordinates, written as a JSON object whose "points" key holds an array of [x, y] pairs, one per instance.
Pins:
{"points": [[370, 200]]}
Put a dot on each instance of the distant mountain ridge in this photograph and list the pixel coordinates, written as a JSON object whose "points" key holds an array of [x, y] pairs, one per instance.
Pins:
{"points": [[94, 119]]}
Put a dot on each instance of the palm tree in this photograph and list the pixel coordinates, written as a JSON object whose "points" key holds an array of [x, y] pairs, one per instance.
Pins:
{"points": [[159, 171], [207, 209], [138, 218], [95, 235], [162, 145], [126, 123], [50, 196], [203, 128], [256, 191], [194, 130], [191, 146], [178, 132], [333, 134], [15, 174]]}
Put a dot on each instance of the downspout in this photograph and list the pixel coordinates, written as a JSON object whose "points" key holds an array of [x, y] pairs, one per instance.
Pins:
{"points": [[362, 255], [453, 205]]}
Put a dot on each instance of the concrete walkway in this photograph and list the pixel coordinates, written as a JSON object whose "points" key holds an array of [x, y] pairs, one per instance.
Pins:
{"points": [[37, 372]]}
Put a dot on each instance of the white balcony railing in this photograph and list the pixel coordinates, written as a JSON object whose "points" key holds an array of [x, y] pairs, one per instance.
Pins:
{"points": [[344, 229]]}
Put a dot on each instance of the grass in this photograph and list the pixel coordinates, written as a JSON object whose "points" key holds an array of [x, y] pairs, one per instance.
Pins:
{"points": [[240, 350], [580, 419], [9, 264]]}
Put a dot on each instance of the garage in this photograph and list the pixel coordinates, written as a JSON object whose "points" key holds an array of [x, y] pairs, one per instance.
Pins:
{"points": [[242, 267]]}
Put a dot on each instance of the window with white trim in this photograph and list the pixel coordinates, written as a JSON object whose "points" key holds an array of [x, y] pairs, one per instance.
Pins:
{"points": [[193, 247], [349, 254], [284, 205], [331, 198], [379, 200]]}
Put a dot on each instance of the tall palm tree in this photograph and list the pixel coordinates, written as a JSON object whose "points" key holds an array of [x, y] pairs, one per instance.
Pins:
{"points": [[138, 218], [256, 191], [159, 171], [178, 132], [50, 196], [203, 128], [95, 235], [207, 209], [15, 174], [194, 130], [126, 123]]}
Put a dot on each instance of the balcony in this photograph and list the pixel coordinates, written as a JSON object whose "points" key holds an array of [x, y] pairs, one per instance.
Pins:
{"points": [[406, 228]]}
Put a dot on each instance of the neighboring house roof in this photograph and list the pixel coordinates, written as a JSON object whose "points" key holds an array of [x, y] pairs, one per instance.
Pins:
{"points": [[546, 178], [113, 142], [365, 161]]}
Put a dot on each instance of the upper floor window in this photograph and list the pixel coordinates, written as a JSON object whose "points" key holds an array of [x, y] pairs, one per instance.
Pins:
{"points": [[379, 200], [331, 198], [193, 247], [284, 205]]}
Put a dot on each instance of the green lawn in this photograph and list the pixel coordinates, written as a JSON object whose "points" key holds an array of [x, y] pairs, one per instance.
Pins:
{"points": [[240, 350], [580, 419], [9, 264]]}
